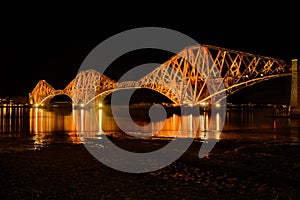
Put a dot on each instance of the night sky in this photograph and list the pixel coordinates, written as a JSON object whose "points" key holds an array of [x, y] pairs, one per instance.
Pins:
{"points": [[51, 43]]}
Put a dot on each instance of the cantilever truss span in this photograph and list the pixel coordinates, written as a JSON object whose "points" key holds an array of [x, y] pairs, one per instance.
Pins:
{"points": [[241, 69], [196, 74]]}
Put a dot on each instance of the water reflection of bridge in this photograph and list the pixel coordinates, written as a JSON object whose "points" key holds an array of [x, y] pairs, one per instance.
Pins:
{"points": [[54, 126], [44, 122], [211, 72], [175, 126]]}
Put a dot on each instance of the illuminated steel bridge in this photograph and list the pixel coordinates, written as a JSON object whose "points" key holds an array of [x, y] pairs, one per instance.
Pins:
{"points": [[197, 74]]}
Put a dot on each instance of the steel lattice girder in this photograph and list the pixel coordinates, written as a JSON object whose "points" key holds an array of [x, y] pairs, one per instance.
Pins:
{"points": [[196, 74]]}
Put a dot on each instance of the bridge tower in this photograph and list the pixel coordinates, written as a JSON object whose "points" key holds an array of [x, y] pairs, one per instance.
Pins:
{"points": [[295, 90]]}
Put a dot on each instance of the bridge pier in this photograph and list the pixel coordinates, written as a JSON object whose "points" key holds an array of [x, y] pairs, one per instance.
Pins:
{"points": [[30, 99], [295, 90]]}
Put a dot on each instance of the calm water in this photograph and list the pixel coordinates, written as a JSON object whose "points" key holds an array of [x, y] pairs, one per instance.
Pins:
{"points": [[32, 128]]}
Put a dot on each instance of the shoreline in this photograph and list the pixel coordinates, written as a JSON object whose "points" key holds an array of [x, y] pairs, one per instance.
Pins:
{"points": [[232, 170]]}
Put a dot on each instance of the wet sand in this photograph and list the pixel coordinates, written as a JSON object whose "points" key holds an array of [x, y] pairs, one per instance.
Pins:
{"points": [[233, 170]]}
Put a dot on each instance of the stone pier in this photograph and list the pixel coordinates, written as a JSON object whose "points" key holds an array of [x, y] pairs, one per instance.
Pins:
{"points": [[295, 90]]}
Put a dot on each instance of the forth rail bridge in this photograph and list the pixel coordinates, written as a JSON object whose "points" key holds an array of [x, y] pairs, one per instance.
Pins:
{"points": [[197, 74]]}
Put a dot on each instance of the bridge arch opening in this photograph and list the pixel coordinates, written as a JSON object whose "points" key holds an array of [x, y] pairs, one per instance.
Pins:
{"points": [[140, 102], [141, 96], [270, 91], [61, 100]]}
